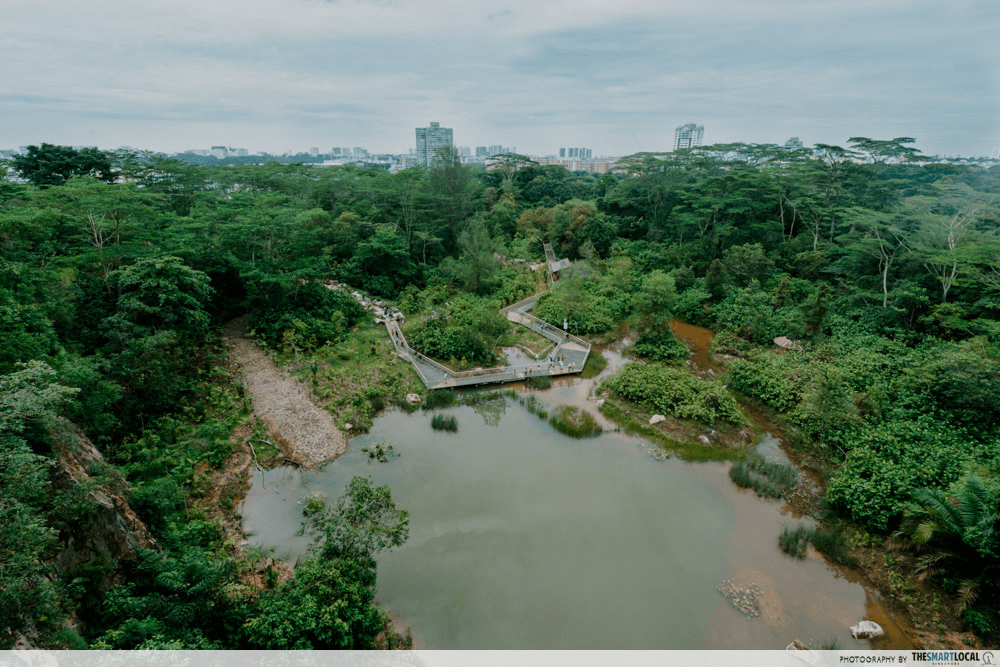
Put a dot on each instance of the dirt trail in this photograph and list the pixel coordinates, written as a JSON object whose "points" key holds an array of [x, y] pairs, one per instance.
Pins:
{"points": [[305, 433]]}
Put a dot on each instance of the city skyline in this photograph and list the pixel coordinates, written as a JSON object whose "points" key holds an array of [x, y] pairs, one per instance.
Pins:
{"points": [[615, 77]]}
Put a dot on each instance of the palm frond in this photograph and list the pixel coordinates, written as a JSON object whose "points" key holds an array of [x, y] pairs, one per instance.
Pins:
{"points": [[968, 591]]}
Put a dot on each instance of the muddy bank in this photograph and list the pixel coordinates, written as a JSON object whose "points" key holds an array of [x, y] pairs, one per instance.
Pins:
{"points": [[305, 433]]}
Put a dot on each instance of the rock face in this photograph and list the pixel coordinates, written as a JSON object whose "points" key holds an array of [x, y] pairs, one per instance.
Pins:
{"points": [[115, 530]]}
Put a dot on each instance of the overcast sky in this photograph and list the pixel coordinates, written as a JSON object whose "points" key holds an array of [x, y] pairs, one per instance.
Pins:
{"points": [[615, 76]]}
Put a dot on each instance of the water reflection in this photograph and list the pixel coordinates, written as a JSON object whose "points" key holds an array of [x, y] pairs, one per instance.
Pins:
{"points": [[524, 538]]}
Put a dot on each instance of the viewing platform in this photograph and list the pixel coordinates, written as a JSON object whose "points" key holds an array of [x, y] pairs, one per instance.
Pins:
{"points": [[568, 357]]}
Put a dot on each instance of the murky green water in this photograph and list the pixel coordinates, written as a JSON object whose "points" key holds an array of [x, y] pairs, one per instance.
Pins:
{"points": [[524, 538]]}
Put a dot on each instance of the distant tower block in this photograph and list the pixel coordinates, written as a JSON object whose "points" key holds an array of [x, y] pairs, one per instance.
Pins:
{"points": [[555, 265]]}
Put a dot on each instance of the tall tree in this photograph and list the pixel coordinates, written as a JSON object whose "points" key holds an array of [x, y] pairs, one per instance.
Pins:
{"points": [[53, 165]]}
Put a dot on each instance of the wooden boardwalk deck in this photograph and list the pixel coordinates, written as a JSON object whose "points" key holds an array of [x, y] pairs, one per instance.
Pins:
{"points": [[568, 357]]}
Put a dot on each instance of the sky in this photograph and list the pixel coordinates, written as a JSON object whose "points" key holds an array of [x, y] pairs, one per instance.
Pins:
{"points": [[615, 76]]}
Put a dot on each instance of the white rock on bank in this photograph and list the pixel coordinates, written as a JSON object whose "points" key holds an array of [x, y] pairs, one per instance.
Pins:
{"points": [[656, 419]]}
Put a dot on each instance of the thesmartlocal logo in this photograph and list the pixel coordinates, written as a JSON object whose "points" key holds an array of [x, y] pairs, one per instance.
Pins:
{"points": [[954, 657]]}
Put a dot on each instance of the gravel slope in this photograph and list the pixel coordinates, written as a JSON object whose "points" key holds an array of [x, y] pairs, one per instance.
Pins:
{"points": [[305, 433]]}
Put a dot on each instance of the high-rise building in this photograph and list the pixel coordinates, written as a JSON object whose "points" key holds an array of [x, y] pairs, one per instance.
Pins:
{"points": [[482, 151], [430, 140], [688, 136], [220, 152], [578, 153], [793, 144]]}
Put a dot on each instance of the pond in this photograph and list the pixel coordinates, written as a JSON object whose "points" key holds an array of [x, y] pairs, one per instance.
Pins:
{"points": [[523, 538]]}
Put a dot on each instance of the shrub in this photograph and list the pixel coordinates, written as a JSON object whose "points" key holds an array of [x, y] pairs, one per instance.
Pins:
{"points": [[660, 346], [575, 422], [675, 392]]}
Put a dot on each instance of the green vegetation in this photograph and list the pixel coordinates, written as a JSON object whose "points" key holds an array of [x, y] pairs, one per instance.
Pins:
{"points": [[595, 364], [687, 450], [539, 381], [675, 392], [769, 478], [829, 542], [116, 271], [795, 542], [444, 423], [574, 422], [534, 406]]}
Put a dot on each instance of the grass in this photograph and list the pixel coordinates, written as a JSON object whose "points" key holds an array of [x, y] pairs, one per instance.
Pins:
{"points": [[443, 423], [356, 378], [440, 398], [831, 542], [771, 479], [689, 451], [575, 422], [534, 406], [531, 342], [594, 365], [794, 542]]}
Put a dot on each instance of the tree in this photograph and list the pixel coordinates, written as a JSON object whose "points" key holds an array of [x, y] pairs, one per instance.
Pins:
{"points": [[880, 237], [361, 523], [29, 397], [947, 241], [161, 293], [654, 303], [965, 523], [53, 165], [880, 151], [479, 266], [507, 164], [329, 604], [382, 263], [454, 188]]}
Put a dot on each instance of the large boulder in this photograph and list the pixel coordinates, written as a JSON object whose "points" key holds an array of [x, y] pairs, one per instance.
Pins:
{"points": [[867, 630]]}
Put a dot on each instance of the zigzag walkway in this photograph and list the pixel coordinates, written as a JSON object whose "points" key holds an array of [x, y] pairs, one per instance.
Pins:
{"points": [[569, 356]]}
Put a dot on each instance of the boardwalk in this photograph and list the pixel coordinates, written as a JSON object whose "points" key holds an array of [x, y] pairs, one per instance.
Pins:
{"points": [[569, 356]]}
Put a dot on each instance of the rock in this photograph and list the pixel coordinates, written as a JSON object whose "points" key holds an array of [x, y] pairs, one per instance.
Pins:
{"points": [[600, 402], [867, 630], [348, 426], [800, 645], [703, 439], [413, 399], [656, 419]]}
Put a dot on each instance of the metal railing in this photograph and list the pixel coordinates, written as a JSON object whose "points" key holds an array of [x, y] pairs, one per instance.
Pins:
{"points": [[498, 373]]}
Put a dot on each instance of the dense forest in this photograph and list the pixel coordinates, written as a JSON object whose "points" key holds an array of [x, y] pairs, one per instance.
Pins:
{"points": [[117, 271]]}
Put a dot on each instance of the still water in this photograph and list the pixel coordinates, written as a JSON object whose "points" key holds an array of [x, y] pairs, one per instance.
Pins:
{"points": [[523, 538]]}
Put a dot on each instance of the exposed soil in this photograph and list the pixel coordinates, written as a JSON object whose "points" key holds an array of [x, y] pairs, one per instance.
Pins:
{"points": [[227, 487], [306, 434]]}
